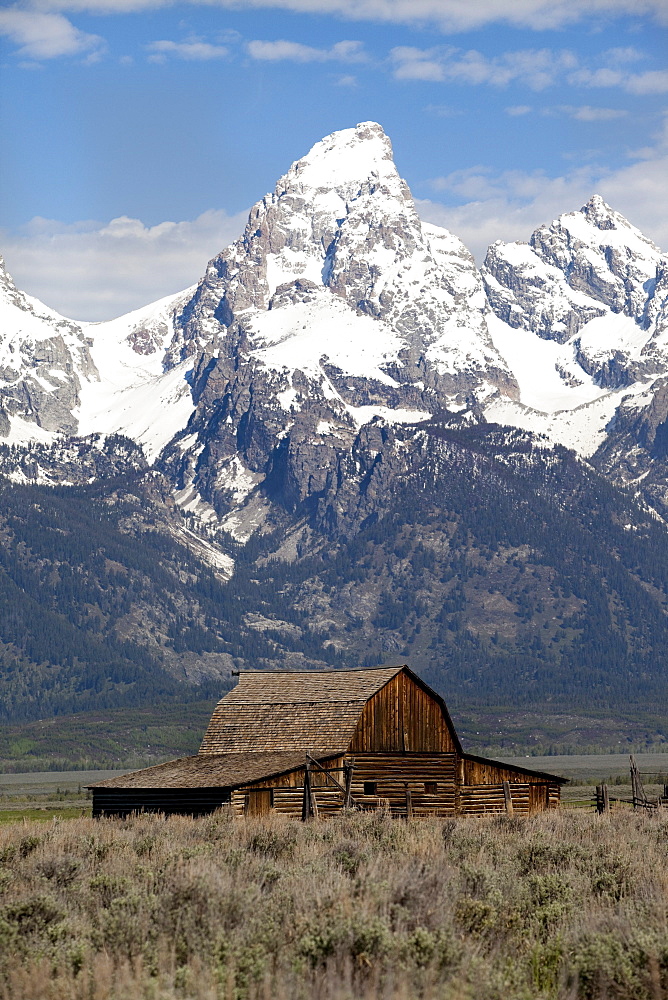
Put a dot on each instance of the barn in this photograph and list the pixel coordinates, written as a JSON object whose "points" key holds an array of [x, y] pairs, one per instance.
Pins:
{"points": [[311, 743]]}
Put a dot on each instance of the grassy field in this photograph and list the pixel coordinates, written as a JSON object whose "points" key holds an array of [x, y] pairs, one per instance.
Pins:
{"points": [[562, 906], [126, 738]]}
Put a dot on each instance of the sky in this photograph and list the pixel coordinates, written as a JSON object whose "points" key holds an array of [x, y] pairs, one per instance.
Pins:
{"points": [[135, 135]]}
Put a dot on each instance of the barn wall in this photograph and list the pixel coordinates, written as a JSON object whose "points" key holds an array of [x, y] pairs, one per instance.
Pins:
{"points": [[171, 801], [392, 773], [475, 772], [402, 718], [527, 798]]}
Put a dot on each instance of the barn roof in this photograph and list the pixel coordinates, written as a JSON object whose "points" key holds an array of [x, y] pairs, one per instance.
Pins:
{"points": [[223, 770], [272, 710]]}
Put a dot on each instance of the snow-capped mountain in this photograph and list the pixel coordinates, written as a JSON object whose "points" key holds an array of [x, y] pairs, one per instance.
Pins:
{"points": [[337, 307], [580, 316], [334, 387], [44, 358], [60, 377]]}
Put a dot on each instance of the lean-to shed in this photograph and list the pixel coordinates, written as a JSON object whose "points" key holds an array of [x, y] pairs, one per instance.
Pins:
{"points": [[314, 742]]}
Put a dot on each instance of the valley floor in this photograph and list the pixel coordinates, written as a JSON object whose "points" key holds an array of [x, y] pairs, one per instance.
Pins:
{"points": [[562, 905]]}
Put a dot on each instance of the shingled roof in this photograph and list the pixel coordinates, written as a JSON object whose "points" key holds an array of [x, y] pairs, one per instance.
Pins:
{"points": [[225, 770], [280, 710]]}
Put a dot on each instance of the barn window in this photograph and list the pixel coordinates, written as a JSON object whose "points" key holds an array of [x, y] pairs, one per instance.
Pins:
{"points": [[431, 788], [371, 788]]}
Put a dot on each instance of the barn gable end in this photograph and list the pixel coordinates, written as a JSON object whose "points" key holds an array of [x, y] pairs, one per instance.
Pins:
{"points": [[404, 716]]}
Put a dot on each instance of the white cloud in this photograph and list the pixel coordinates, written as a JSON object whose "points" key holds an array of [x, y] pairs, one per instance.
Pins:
{"points": [[510, 205], [193, 50], [47, 36], [537, 68], [283, 50], [651, 82], [516, 110], [94, 272], [447, 15], [586, 113]]}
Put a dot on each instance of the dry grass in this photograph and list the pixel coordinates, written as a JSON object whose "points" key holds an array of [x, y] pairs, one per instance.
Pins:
{"points": [[563, 905]]}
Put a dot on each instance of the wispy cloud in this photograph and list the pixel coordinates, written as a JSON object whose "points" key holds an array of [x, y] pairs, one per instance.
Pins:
{"points": [[93, 271], [42, 36], [450, 16], [283, 50], [586, 113], [537, 68], [443, 111], [193, 50], [650, 82], [487, 205]]}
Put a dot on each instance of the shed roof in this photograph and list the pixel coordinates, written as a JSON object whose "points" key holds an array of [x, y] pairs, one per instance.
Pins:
{"points": [[224, 770], [281, 710]]}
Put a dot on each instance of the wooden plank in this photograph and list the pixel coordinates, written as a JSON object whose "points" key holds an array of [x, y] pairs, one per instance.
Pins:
{"points": [[402, 717]]}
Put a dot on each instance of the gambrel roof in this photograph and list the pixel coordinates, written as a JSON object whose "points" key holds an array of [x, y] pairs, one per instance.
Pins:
{"points": [[280, 710]]}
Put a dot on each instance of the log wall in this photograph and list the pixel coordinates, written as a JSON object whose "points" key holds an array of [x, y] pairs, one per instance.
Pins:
{"points": [[392, 774]]}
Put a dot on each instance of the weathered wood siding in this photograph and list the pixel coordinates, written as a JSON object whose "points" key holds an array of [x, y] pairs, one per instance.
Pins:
{"points": [[395, 773], [474, 772], [402, 718], [392, 774], [527, 798]]}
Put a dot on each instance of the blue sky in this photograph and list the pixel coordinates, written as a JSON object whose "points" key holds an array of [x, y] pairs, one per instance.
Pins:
{"points": [[136, 134]]}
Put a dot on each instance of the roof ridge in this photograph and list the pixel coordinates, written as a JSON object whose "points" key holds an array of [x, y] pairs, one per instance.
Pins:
{"points": [[312, 673]]}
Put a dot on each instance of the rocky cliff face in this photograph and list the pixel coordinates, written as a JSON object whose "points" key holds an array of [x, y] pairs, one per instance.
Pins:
{"points": [[335, 317], [43, 359], [336, 305], [587, 265]]}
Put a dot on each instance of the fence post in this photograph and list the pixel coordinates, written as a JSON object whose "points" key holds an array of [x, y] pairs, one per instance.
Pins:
{"points": [[307, 801], [347, 798], [508, 799], [409, 802]]}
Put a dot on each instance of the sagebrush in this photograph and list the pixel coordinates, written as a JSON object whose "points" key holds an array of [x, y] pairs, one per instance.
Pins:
{"points": [[562, 905]]}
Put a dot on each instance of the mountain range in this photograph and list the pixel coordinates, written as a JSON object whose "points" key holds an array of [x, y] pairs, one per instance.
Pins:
{"points": [[347, 444]]}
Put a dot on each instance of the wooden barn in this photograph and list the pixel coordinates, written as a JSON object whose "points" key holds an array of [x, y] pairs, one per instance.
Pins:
{"points": [[310, 743]]}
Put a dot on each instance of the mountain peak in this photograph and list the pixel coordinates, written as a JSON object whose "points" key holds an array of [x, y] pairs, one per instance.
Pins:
{"points": [[599, 213], [348, 156]]}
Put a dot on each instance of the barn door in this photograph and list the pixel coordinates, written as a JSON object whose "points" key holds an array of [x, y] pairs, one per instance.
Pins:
{"points": [[258, 802], [538, 798]]}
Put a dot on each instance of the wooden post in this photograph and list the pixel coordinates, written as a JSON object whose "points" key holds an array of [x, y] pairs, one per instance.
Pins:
{"points": [[348, 780], [307, 801], [409, 802], [602, 799], [637, 789], [508, 798]]}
